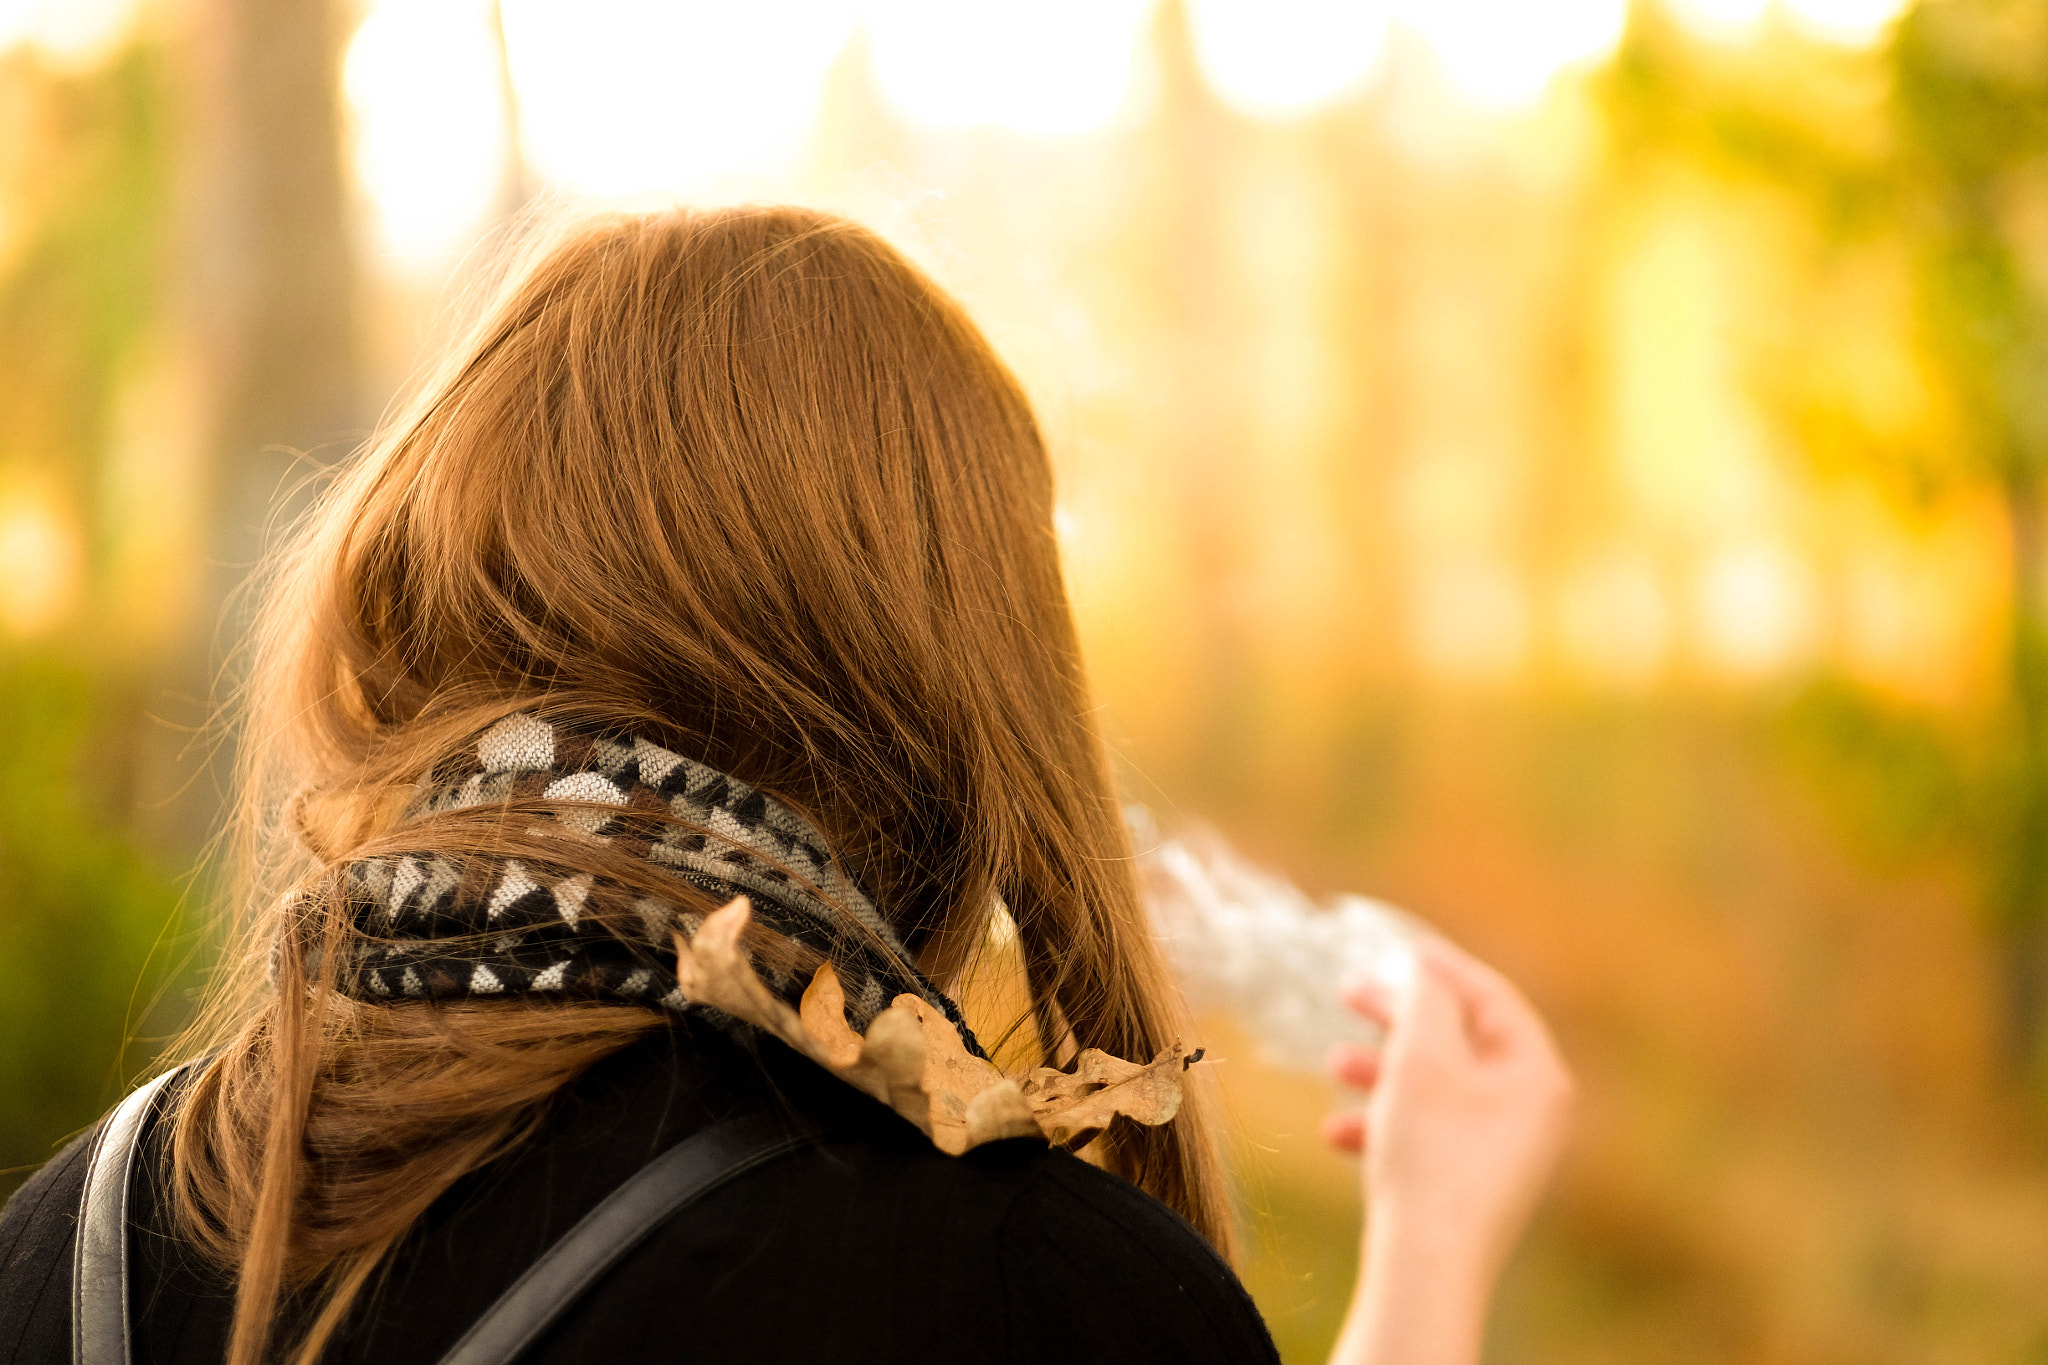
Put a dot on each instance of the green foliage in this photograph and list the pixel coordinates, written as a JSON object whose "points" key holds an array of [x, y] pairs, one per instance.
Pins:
{"points": [[1783, 113], [1972, 86], [81, 912], [1949, 162], [80, 291], [1971, 110], [81, 906], [1897, 778]]}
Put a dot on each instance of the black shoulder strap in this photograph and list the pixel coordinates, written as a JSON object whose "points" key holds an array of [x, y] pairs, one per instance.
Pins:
{"points": [[685, 1172], [99, 1256]]}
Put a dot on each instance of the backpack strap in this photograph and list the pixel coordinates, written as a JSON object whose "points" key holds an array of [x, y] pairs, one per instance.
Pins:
{"points": [[99, 1255], [677, 1178], [681, 1175]]}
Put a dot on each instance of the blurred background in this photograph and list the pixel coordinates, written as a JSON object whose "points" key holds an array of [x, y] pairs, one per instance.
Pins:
{"points": [[1572, 468]]}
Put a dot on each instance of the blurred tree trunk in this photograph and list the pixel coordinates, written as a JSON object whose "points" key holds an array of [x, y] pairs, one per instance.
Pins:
{"points": [[2020, 902], [269, 264], [265, 296], [1975, 126], [1194, 148]]}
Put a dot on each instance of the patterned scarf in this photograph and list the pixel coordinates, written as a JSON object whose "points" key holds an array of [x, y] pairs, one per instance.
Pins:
{"points": [[439, 926]]}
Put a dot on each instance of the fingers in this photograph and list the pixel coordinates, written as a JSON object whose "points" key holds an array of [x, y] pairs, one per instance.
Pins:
{"points": [[1355, 1066], [1372, 999], [1472, 978], [1345, 1130], [1496, 1015]]}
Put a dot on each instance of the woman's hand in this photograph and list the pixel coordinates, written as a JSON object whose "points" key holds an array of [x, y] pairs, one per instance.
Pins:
{"points": [[1469, 1108]]}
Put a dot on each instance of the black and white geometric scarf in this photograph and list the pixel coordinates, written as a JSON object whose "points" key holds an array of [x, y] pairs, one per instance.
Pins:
{"points": [[440, 926]]}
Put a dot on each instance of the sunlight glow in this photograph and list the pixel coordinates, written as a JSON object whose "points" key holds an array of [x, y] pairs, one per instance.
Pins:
{"points": [[1855, 23], [1721, 19], [421, 79], [40, 560], [71, 33], [622, 97], [1503, 53], [1692, 453], [1285, 58], [1054, 68], [1612, 619], [1755, 605], [1469, 620]]}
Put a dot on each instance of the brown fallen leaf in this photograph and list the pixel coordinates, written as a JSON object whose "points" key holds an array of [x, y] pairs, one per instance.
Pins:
{"points": [[913, 1060], [953, 1077], [1072, 1107], [894, 1049], [823, 1011], [1000, 1111], [712, 970]]}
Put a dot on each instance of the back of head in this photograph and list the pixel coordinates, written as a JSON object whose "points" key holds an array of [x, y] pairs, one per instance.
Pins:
{"points": [[747, 482], [747, 477]]}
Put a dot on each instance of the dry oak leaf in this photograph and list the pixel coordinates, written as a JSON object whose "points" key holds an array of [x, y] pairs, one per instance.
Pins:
{"points": [[888, 1063], [1073, 1106], [891, 1055], [971, 1101], [913, 1060]]}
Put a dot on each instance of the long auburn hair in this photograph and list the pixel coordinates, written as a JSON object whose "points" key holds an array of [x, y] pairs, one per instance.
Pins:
{"points": [[744, 480]]}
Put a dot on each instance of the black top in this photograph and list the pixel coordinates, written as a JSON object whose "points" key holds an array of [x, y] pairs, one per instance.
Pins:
{"points": [[872, 1246]]}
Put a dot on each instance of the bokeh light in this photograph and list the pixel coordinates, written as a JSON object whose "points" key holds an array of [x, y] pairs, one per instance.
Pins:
{"points": [[1722, 19], [621, 97], [1285, 58], [40, 558], [1503, 54], [429, 124], [1053, 68], [1756, 608], [1854, 22], [72, 33], [1470, 620], [1614, 620]]}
